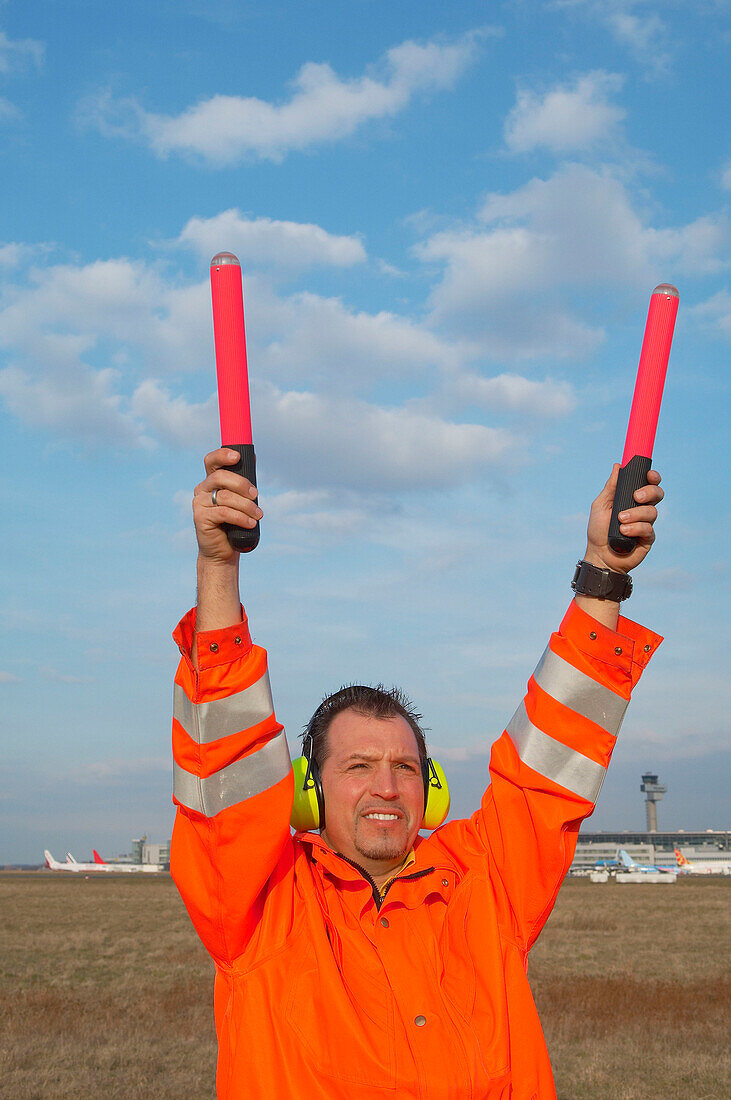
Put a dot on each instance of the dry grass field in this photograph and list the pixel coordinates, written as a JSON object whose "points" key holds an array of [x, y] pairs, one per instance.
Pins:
{"points": [[105, 991]]}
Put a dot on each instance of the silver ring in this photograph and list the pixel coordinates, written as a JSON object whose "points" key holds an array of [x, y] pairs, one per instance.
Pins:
{"points": [[214, 502]]}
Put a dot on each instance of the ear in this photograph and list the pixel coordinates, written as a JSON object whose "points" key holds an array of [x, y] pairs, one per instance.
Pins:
{"points": [[437, 796]]}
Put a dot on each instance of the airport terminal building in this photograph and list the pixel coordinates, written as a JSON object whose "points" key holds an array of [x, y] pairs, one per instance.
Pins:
{"points": [[653, 848]]}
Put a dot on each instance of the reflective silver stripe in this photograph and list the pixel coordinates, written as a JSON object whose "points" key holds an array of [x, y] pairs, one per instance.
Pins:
{"points": [[206, 722], [572, 770], [575, 689], [247, 777]]}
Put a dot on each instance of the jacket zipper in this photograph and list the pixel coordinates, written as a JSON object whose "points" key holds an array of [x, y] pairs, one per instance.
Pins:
{"points": [[377, 897]]}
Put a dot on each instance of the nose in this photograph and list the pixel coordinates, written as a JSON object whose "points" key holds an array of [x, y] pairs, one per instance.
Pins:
{"points": [[383, 782]]}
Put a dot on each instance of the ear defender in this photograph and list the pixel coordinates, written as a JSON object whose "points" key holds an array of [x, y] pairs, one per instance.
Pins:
{"points": [[308, 808], [436, 804]]}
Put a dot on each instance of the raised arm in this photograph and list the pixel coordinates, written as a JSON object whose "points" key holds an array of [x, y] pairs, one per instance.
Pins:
{"points": [[218, 603], [548, 767], [232, 771]]}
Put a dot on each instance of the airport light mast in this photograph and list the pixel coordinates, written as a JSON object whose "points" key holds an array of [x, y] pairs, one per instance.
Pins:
{"points": [[653, 793]]}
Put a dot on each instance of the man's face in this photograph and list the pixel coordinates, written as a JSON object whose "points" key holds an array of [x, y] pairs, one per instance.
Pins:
{"points": [[373, 788]]}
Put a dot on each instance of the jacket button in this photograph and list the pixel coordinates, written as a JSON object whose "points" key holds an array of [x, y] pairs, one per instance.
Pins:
{"points": [[384, 922], [213, 647], [420, 1021], [593, 635], [237, 640], [648, 648], [445, 882], [618, 650]]}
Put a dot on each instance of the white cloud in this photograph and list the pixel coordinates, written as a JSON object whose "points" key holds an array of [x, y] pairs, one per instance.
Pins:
{"points": [[316, 512], [567, 118], [643, 33], [8, 678], [322, 107], [314, 441], [513, 393], [18, 53], [12, 254], [320, 440], [702, 246], [175, 420], [270, 243], [83, 406], [320, 340], [67, 311], [509, 278], [715, 313]]}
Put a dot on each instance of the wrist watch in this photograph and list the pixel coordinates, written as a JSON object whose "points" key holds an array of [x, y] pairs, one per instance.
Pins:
{"points": [[602, 584]]}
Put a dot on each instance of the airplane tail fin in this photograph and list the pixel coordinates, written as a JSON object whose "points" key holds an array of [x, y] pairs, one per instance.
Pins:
{"points": [[49, 859], [70, 858], [626, 858], [97, 857], [680, 858]]}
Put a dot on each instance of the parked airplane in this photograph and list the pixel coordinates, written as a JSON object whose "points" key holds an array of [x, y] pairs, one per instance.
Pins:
{"points": [[98, 865], [149, 868], [608, 864], [702, 866], [628, 864], [72, 865]]}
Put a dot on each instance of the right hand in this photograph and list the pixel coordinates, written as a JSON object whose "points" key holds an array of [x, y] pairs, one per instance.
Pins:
{"points": [[236, 503]]}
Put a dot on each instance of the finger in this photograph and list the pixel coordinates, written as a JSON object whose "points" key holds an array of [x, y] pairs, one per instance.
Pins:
{"points": [[226, 499], [224, 456], [233, 515], [207, 517], [227, 479], [606, 496], [644, 532], [654, 477], [649, 494], [646, 514]]}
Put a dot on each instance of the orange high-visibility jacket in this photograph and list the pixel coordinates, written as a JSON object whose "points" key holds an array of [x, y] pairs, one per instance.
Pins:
{"points": [[325, 991]]}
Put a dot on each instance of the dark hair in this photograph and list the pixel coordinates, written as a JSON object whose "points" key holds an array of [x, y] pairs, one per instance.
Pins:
{"points": [[373, 702]]}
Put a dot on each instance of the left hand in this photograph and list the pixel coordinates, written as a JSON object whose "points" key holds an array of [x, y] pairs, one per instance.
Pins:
{"points": [[638, 524]]}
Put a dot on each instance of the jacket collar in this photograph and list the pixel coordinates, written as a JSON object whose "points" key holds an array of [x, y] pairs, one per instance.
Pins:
{"points": [[428, 859]]}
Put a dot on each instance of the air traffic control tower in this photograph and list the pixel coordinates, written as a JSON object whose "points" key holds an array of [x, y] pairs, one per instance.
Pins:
{"points": [[653, 793]]}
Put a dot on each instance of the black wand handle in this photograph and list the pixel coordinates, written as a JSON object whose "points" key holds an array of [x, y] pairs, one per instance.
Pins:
{"points": [[633, 476], [243, 539]]}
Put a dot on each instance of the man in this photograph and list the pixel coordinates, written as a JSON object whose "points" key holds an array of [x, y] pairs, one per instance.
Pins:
{"points": [[366, 961]]}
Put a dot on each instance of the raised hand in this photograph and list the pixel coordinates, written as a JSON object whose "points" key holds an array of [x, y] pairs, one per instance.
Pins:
{"points": [[235, 503], [637, 522]]}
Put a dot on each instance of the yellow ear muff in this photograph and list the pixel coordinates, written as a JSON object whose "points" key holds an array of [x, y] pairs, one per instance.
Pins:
{"points": [[306, 806], [437, 796]]}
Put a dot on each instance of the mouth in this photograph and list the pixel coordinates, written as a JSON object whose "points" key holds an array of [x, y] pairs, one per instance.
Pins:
{"points": [[380, 816]]}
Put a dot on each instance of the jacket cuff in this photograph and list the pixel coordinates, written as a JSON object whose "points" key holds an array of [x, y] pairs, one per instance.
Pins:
{"points": [[213, 647], [628, 649]]}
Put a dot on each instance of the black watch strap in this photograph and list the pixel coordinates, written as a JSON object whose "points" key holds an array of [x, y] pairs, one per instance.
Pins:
{"points": [[602, 584]]}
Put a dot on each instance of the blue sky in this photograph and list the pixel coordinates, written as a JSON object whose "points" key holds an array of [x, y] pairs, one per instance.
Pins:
{"points": [[450, 219]]}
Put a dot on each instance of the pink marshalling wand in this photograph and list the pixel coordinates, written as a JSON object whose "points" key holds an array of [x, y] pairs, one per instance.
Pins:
{"points": [[233, 379], [637, 457]]}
